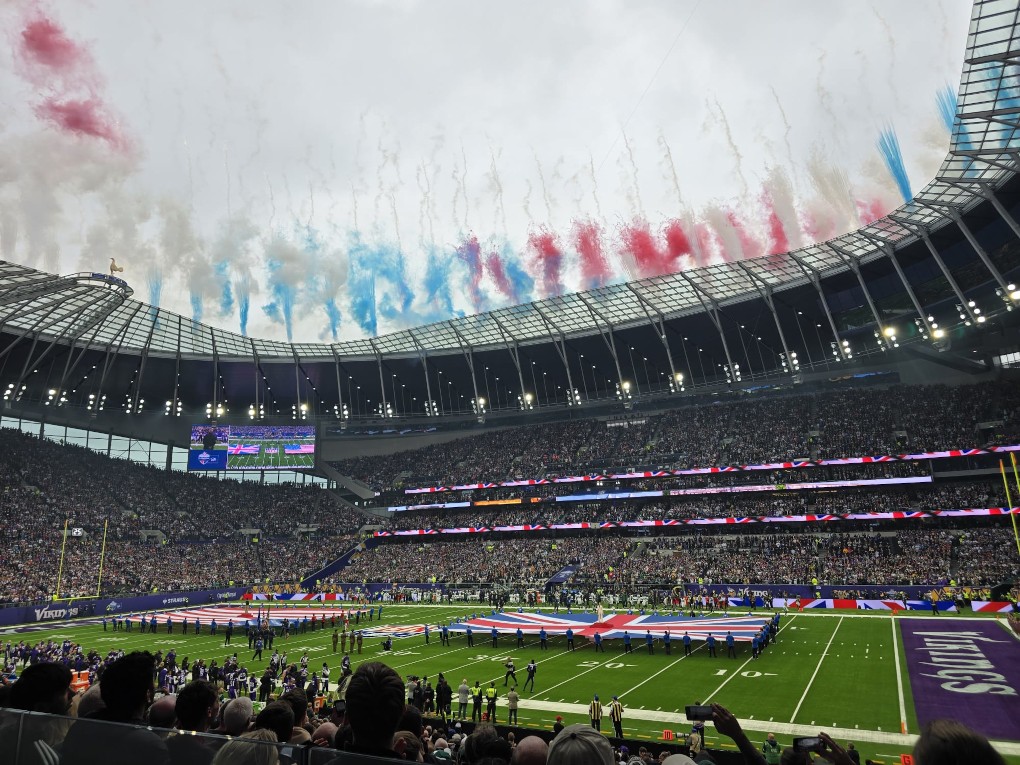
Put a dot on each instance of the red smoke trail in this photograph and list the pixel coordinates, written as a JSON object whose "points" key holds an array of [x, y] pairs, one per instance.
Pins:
{"points": [[67, 82], [470, 254], [45, 43], [678, 246], [779, 242], [549, 259], [494, 265], [80, 118], [870, 211], [587, 237], [750, 246], [639, 243]]}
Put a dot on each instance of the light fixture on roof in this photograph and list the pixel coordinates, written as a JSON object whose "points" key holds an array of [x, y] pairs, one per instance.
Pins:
{"points": [[676, 382], [526, 401]]}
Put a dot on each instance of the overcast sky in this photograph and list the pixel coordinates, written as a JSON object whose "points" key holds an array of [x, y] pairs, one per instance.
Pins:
{"points": [[340, 169]]}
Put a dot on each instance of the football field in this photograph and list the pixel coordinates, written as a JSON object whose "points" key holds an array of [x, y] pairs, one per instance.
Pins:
{"points": [[843, 672], [251, 454]]}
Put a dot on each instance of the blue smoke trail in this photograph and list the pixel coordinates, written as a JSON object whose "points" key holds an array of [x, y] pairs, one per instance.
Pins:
{"points": [[889, 147], [226, 292], [155, 289], [284, 297], [947, 103], [272, 310], [196, 307], [522, 282], [437, 282], [361, 285], [243, 306], [389, 263], [333, 314], [155, 294]]}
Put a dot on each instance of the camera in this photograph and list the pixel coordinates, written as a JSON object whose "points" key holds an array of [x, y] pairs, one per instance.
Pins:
{"points": [[700, 712], [809, 744]]}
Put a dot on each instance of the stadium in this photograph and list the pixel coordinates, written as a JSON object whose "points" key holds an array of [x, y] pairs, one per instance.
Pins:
{"points": [[781, 488]]}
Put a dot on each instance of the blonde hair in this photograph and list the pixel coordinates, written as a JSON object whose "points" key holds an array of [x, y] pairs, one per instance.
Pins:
{"points": [[256, 747]]}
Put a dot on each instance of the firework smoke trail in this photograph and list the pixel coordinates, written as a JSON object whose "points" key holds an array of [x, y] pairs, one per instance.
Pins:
{"points": [[232, 255], [670, 166], [889, 147], [639, 205], [181, 246], [548, 259], [68, 83], [587, 238], [389, 265], [496, 184], [594, 187], [728, 134], [750, 245], [361, 285], [779, 202], [678, 246], [837, 211], [947, 103], [437, 281], [287, 268], [787, 128], [469, 253], [324, 273], [644, 252], [494, 265], [729, 241]]}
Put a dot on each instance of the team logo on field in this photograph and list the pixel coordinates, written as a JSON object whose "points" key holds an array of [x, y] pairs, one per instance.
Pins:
{"points": [[395, 630]]}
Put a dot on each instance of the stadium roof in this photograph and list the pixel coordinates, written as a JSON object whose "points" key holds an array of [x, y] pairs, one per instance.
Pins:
{"points": [[92, 312]]}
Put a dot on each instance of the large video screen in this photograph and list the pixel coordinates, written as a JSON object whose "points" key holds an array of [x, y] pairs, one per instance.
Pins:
{"points": [[251, 447]]}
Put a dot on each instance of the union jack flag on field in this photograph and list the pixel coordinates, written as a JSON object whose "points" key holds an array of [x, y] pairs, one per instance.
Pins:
{"points": [[743, 628], [243, 449]]}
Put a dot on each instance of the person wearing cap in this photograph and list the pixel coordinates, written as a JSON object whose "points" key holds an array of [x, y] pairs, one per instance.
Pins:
{"points": [[626, 642], [579, 745], [771, 750], [558, 725], [616, 715], [595, 713]]}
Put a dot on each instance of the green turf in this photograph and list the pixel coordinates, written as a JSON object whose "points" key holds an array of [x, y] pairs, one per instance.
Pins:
{"points": [[853, 686]]}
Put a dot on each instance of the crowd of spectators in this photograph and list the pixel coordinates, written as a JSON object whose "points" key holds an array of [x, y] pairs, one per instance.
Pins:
{"points": [[512, 561], [738, 505], [820, 425], [198, 520], [786, 556]]}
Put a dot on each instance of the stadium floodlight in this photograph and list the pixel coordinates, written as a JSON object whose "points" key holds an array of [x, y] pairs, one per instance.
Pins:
{"points": [[732, 372], [431, 408], [478, 405], [938, 334], [526, 402], [676, 383], [623, 390], [573, 397]]}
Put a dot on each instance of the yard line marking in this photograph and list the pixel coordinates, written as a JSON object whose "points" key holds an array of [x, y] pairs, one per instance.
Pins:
{"points": [[713, 693], [815, 674], [899, 678], [667, 667]]}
